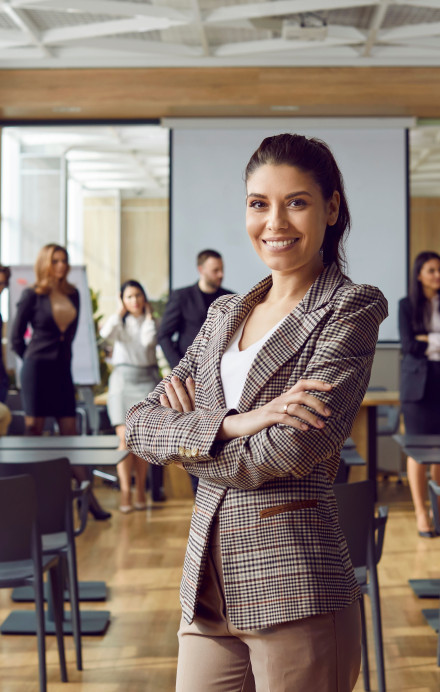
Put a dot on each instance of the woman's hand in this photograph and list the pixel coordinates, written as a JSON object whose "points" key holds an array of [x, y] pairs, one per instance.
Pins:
{"points": [[179, 397], [422, 337], [122, 310], [288, 409]]}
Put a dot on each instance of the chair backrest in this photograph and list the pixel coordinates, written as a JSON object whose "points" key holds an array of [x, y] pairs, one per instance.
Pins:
{"points": [[18, 511], [53, 487], [356, 515]]}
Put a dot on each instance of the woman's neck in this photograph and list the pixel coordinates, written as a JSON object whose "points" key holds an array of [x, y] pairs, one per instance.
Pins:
{"points": [[292, 287], [429, 293]]}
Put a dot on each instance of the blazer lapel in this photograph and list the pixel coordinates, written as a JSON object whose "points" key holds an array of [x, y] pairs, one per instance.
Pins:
{"points": [[293, 332]]}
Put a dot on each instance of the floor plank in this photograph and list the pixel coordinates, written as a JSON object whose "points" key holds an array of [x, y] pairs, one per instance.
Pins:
{"points": [[140, 557]]}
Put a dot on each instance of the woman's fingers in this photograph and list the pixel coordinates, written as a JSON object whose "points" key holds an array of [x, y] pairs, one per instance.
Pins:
{"points": [[191, 389], [164, 401], [177, 395], [307, 385]]}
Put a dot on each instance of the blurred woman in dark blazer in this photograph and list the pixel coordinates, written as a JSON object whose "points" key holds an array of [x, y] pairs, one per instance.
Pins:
{"points": [[419, 324], [5, 274], [258, 409], [51, 308]]}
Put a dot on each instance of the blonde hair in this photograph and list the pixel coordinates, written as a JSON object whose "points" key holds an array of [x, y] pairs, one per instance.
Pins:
{"points": [[43, 270]]}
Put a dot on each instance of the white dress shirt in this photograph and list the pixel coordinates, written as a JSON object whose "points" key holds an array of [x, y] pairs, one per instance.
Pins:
{"points": [[235, 364], [433, 350], [134, 340]]}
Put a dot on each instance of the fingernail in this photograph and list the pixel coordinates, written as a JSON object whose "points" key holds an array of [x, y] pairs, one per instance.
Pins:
{"points": [[304, 426], [320, 424], [327, 411]]}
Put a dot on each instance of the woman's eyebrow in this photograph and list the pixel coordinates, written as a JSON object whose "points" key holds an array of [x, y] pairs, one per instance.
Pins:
{"points": [[295, 194]]}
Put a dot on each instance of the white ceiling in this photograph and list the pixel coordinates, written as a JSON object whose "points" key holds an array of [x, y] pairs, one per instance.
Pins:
{"points": [[103, 159], [159, 33]]}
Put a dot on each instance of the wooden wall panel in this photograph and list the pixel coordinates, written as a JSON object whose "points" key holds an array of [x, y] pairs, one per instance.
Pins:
{"points": [[233, 92], [425, 225]]}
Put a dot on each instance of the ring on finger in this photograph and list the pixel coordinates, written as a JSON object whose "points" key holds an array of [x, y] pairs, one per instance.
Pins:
{"points": [[286, 406]]}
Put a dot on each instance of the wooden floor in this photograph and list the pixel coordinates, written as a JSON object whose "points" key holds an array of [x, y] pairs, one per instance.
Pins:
{"points": [[140, 557]]}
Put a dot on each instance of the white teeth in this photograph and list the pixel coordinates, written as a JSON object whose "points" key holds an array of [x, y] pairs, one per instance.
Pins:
{"points": [[280, 243]]}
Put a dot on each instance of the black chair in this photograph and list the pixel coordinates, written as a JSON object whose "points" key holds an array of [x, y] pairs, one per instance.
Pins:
{"points": [[21, 561], [55, 518], [434, 494], [365, 533]]}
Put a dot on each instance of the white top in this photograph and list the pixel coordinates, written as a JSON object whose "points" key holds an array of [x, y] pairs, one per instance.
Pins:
{"points": [[134, 340], [433, 350], [235, 364]]}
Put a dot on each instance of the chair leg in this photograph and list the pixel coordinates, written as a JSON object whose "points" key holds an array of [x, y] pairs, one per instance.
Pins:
{"points": [[56, 585], [377, 629], [74, 604], [41, 633], [364, 648]]}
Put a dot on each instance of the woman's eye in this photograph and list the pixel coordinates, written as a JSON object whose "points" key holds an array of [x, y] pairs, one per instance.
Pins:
{"points": [[297, 203], [256, 204]]}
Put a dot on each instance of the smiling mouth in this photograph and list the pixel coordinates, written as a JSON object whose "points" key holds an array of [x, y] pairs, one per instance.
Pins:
{"points": [[280, 243]]}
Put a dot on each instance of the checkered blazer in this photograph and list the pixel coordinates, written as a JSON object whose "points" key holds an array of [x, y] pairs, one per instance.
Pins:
{"points": [[284, 556]]}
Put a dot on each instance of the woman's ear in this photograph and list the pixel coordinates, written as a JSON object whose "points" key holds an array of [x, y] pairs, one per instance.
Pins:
{"points": [[333, 208]]}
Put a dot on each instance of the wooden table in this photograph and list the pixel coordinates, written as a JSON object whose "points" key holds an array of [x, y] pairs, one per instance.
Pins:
{"points": [[364, 431]]}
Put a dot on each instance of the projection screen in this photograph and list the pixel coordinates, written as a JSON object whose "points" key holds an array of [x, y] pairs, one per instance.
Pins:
{"points": [[208, 201]]}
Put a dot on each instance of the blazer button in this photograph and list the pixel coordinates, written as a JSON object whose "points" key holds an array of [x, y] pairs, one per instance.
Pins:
{"points": [[187, 452], [194, 452], [182, 451]]}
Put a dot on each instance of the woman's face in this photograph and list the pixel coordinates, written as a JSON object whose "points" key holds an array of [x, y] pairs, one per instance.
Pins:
{"points": [[134, 301], [59, 265], [3, 281], [429, 275], [286, 218]]}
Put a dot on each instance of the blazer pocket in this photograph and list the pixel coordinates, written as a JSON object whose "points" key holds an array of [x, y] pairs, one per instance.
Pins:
{"points": [[287, 507]]}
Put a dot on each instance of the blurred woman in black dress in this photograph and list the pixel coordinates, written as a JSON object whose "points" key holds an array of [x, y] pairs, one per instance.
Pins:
{"points": [[51, 307], [419, 324], [5, 274]]}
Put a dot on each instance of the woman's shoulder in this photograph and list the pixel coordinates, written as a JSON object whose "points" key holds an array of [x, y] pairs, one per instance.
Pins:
{"points": [[28, 294], [353, 296]]}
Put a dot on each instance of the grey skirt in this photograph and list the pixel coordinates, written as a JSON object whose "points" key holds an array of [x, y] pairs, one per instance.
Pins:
{"points": [[129, 384]]}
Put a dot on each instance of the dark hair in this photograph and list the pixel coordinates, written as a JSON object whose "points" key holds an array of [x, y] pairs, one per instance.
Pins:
{"points": [[206, 254], [310, 156], [7, 272], [132, 283], [416, 294]]}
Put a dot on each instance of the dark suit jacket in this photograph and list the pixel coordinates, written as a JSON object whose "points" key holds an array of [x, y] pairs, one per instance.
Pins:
{"points": [[47, 342], [184, 315], [414, 366], [283, 553]]}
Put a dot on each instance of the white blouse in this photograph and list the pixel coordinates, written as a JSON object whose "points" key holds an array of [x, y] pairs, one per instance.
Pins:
{"points": [[134, 340], [235, 364], [433, 350]]}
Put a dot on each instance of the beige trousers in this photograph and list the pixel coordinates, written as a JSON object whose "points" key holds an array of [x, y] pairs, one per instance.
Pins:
{"points": [[321, 653]]}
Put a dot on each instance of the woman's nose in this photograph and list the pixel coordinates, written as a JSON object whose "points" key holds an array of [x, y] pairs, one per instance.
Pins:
{"points": [[277, 218]]}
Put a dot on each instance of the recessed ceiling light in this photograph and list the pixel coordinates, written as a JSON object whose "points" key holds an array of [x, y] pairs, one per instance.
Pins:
{"points": [[66, 109], [284, 108]]}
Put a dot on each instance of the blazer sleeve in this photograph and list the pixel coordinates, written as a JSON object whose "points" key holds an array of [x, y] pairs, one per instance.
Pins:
{"points": [[170, 324], [407, 333], [23, 315], [343, 357]]}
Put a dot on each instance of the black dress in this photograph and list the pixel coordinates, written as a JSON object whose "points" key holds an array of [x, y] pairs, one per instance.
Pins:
{"points": [[419, 380], [46, 380]]}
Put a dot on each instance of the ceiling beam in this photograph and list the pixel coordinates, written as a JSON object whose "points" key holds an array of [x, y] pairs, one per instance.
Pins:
{"points": [[232, 13], [103, 7], [113, 27], [376, 23], [200, 27], [22, 21], [410, 31], [139, 47]]}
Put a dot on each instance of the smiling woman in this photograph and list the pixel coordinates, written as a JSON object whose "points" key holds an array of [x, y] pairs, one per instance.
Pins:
{"points": [[258, 409]]}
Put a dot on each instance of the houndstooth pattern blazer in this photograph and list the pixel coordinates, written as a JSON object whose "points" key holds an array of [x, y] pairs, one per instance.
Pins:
{"points": [[284, 556]]}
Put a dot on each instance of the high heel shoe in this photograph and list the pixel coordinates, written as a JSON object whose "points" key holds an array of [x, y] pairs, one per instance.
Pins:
{"points": [[427, 534], [99, 514]]}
